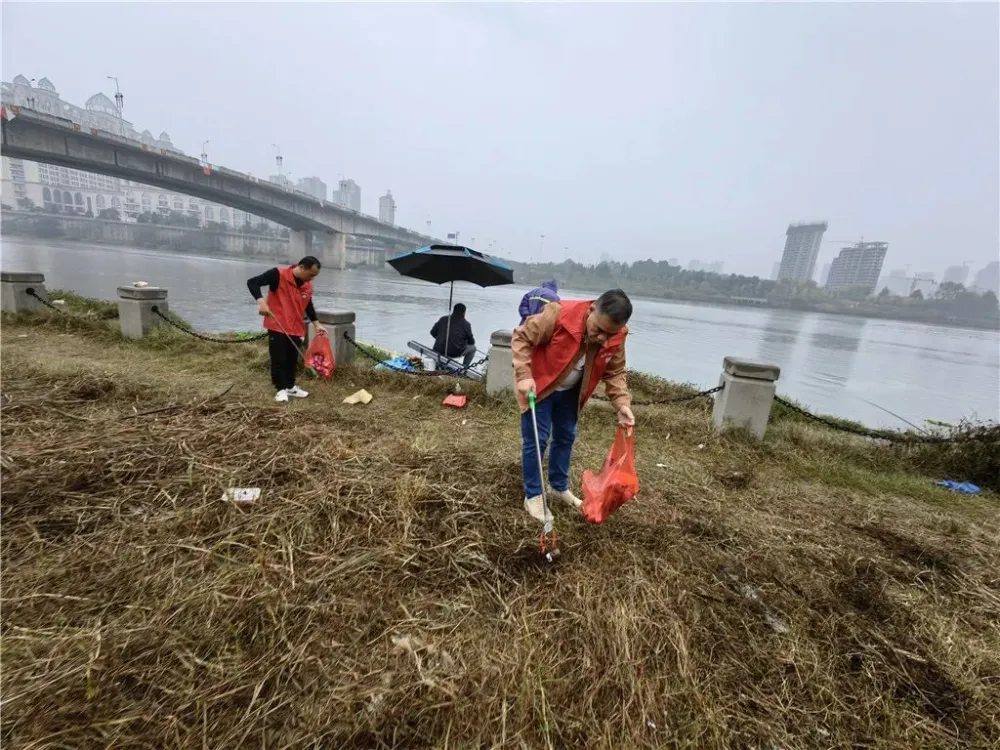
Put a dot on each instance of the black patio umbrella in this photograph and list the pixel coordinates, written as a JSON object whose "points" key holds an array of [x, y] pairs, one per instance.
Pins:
{"points": [[443, 264]]}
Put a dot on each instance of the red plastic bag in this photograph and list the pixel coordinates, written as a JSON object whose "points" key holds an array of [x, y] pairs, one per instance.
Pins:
{"points": [[458, 401], [617, 483], [319, 355]]}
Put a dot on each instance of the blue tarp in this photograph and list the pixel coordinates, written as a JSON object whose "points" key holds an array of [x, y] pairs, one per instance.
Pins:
{"points": [[398, 364], [966, 488]]}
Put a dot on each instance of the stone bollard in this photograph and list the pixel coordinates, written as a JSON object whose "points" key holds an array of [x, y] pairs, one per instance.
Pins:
{"points": [[337, 324], [135, 309], [500, 367], [747, 397], [14, 288]]}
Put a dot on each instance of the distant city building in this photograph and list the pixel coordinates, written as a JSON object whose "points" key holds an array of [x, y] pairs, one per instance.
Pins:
{"points": [[924, 283], [956, 274], [694, 265], [673, 262], [775, 269], [71, 191], [387, 208], [896, 282], [714, 267], [988, 279], [802, 241], [280, 179], [858, 266], [824, 274], [348, 194], [314, 186]]}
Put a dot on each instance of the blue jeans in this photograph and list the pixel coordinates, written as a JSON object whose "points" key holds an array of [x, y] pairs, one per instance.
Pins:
{"points": [[556, 416]]}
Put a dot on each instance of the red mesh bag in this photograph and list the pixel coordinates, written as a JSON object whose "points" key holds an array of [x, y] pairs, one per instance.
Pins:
{"points": [[617, 483], [319, 356]]}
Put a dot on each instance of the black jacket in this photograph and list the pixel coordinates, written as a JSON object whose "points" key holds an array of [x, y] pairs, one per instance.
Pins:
{"points": [[459, 336]]}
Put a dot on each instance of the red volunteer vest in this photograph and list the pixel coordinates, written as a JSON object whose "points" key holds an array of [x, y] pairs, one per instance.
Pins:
{"points": [[288, 304], [548, 361]]}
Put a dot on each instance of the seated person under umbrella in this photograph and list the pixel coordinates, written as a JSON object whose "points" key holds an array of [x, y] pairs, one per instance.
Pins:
{"points": [[456, 329]]}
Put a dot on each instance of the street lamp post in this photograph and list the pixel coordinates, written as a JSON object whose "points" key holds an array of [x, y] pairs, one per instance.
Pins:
{"points": [[277, 159], [119, 103], [204, 152]]}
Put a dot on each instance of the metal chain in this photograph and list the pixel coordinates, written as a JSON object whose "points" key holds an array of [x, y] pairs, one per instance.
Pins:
{"points": [[378, 360], [30, 291], [203, 337], [889, 435], [674, 400]]}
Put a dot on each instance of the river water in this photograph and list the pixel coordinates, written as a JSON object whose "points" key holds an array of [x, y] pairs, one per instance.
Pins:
{"points": [[833, 363]]}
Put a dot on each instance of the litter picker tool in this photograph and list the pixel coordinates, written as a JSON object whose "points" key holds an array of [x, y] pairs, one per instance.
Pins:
{"points": [[549, 551], [311, 371]]}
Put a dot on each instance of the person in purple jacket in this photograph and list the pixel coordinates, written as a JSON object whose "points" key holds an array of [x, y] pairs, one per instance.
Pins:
{"points": [[535, 301]]}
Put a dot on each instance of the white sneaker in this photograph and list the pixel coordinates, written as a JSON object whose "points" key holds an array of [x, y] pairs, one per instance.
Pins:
{"points": [[536, 508], [281, 396], [567, 497], [297, 392]]}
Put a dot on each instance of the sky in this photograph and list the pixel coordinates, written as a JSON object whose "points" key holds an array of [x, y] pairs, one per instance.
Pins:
{"points": [[689, 131]]}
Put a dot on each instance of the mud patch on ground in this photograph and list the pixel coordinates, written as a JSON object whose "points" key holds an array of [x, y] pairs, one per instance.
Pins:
{"points": [[863, 588], [912, 551]]}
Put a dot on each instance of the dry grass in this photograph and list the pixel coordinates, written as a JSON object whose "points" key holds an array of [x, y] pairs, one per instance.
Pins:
{"points": [[807, 592]]}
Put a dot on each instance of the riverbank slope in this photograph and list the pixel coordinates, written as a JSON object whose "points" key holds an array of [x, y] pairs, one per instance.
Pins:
{"points": [[813, 590]]}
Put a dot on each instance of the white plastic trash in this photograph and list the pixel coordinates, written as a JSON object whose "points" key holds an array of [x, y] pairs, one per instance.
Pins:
{"points": [[241, 495]]}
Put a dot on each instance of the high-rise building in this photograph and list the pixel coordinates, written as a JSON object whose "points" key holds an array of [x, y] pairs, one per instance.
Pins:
{"points": [[694, 265], [956, 274], [280, 179], [774, 271], [673, 262], [859, 265], [314, 186], [714, 267], [802, 241], [988, 279], [824, 274], [924, 283], [387, 208], [896, 282], [348, 195]]}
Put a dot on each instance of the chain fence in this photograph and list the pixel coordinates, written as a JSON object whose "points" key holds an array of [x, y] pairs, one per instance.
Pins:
{"points": [[30, 291], [167, 319], [379, 359], [892, 436], [671, 400]]}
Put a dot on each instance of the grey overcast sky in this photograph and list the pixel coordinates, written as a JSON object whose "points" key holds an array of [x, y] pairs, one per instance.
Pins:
{"points": [[638, 130]]}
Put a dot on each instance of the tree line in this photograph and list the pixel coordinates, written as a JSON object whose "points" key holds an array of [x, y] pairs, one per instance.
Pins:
{"points": [[951, 303]]}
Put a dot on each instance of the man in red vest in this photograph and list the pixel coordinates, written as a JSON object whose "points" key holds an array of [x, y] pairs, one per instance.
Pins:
{"points": [[288, 304], [561, 355]]}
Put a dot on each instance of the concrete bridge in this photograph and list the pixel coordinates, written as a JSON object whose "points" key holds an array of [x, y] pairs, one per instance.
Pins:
{"points": [[317, 227]]}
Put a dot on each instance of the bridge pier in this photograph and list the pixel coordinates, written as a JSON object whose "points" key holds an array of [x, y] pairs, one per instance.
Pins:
{"points": [[299, 244], [334, 250]]}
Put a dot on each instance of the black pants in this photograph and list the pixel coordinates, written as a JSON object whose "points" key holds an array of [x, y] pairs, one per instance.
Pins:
{"points": [[284, 359]]}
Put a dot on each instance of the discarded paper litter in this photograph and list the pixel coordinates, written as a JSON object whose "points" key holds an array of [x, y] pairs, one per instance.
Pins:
{"points": [[361, 397], [241, 494]]}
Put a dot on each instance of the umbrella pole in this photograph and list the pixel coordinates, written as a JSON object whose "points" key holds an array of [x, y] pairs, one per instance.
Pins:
{"points": [[447, 328]]}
